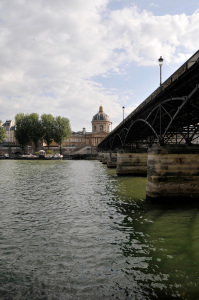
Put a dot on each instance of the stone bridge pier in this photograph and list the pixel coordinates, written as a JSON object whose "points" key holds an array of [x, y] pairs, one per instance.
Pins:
{"points": [[173, 173], [172, 170], [132, 162], [112, 160], [104, 156], [109, 158]]}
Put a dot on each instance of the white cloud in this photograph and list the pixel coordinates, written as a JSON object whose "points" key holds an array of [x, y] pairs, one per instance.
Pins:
{"points": [[144, 36], [153, 4], [52, 50]]}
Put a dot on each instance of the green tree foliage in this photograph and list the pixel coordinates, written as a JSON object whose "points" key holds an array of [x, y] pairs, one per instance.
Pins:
{"points": [[22, 129], [35, 129], [61, 130], [47, 123], [30, 128], [2, 133]]}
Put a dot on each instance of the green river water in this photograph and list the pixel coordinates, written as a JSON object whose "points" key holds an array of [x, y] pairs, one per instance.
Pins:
{"points": [[75, 230]]}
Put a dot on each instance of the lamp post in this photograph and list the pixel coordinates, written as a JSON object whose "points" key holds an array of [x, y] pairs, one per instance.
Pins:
{"points": [[160, 60], [123, 111]]}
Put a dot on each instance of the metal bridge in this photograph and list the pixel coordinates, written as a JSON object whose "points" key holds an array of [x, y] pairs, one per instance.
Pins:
{"points": [[170, 115]]}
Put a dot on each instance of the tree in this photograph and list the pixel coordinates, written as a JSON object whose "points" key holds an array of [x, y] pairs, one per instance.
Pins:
{"points": [[22, 129], [30, 128], [35, 129], [47, 123], [2, 133], [61, 130]]}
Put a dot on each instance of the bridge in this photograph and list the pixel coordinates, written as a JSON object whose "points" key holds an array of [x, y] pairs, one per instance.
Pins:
{"points": [[166, 122], [169, 115]]}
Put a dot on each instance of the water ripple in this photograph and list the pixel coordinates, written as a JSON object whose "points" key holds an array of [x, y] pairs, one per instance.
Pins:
{"points": [[70, 230]]}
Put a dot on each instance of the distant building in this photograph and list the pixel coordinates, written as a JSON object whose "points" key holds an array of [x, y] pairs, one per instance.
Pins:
{"points": [[9, 127], [77, 139], [101, 125], [100, 129]]}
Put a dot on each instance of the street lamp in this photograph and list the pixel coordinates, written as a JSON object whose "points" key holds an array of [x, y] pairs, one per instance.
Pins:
{"points": [[160, 60], [123, 111]]}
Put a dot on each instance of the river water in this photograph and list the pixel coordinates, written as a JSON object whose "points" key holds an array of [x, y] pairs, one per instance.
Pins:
{"points": [[74, 230]]}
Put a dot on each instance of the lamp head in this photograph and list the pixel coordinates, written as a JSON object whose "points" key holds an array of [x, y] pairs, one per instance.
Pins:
{"points": [[160, 60]]}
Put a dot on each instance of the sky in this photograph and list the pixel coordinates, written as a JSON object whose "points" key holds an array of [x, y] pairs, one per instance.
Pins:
{"points": [[68, 57]]}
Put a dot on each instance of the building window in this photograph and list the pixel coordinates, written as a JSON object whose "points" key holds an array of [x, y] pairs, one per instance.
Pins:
{"points": [[101, 127]]}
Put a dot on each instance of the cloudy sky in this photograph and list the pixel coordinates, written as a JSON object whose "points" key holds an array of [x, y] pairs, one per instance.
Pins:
{"points": [[68, 57]]}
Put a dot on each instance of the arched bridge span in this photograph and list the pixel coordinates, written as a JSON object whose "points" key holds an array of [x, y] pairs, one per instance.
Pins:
{"points": [[170, 115]]}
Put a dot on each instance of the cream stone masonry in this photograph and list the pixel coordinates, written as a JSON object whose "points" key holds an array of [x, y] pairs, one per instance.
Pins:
{"points": [[173, 172], [9, 127], [132, 163], [100, 129], [101, 122], [112, 160], [105, 157]]}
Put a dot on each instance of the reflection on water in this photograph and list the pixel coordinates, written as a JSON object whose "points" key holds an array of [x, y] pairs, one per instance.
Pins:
{"points": [[74, 230]]}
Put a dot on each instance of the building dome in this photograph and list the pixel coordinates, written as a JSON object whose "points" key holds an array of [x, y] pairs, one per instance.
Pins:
{"points": [[101, 122], [101, 116]]}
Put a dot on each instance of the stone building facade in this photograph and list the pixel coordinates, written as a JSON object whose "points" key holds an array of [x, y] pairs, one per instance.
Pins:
{"points": [[101, 122], [101, 126], [9, 127]]}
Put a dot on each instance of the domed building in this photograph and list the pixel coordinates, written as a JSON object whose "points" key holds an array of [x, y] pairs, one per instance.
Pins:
{"points": [[100, 129], [101, 122]]}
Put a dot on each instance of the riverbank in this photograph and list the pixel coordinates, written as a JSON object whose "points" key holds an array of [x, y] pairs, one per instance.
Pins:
{"points": [[32, 157], [51, 157], [67, 152]]}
